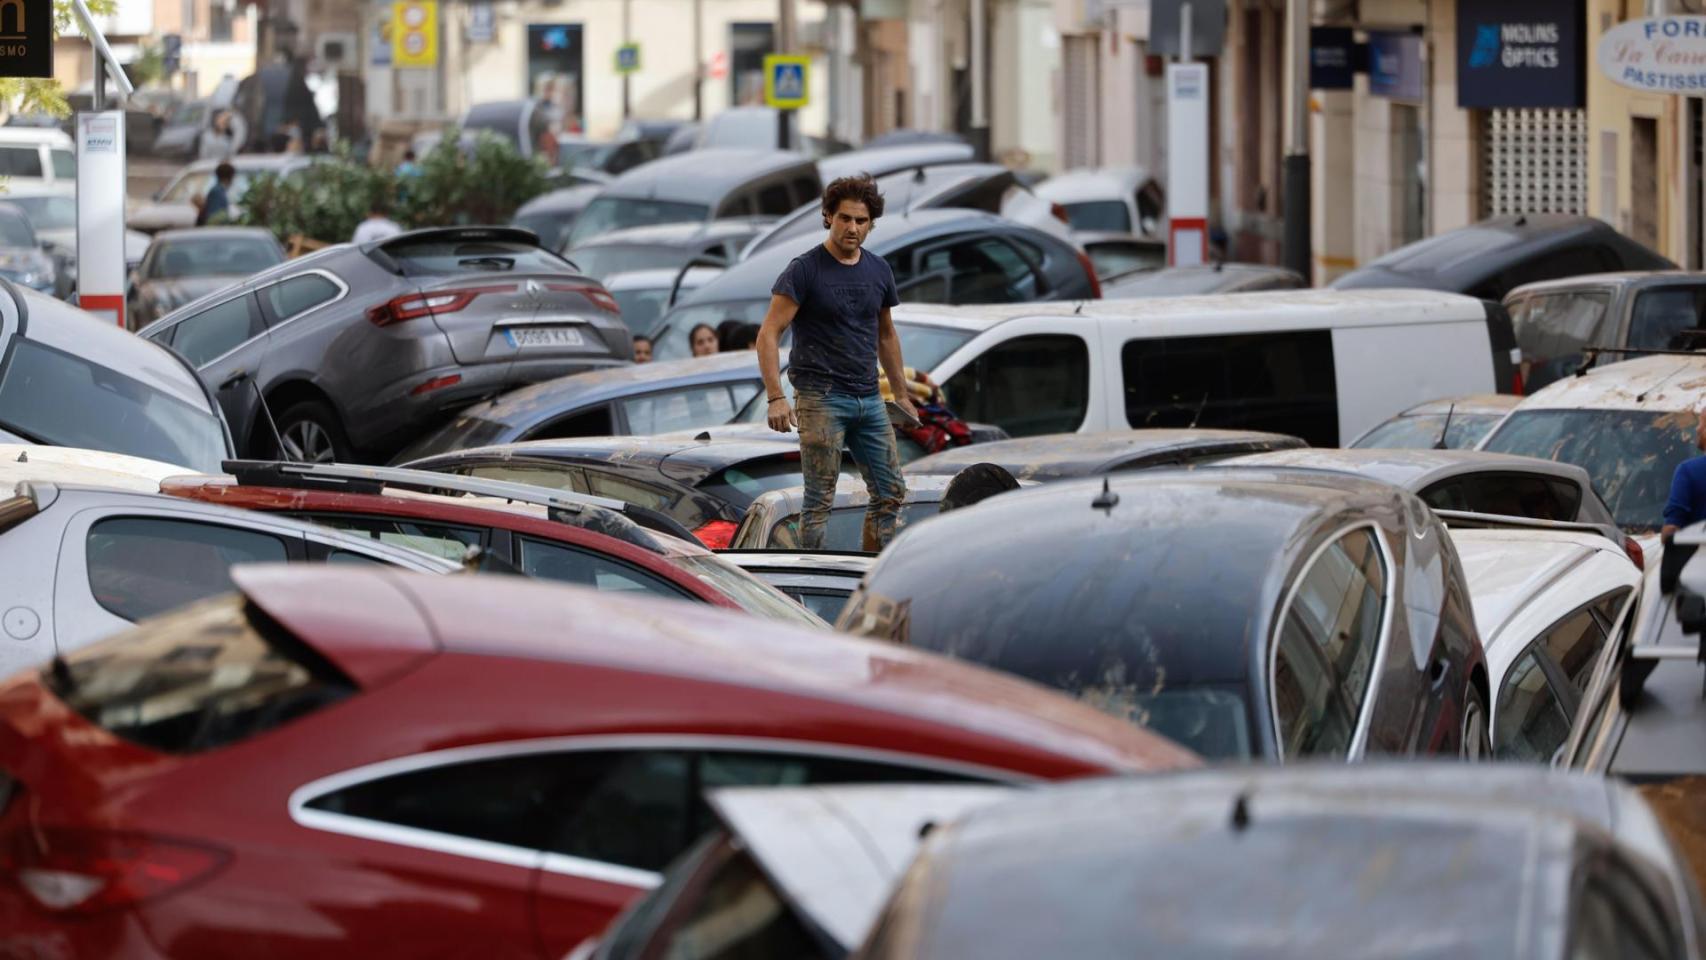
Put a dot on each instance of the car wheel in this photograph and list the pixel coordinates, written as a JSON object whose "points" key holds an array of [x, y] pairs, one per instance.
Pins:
{"points": [[1477, 744], [312, 434]]}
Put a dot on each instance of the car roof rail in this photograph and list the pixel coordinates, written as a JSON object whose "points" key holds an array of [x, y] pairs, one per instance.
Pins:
{"points": [[576, 509], [1469, 520], [1591, 355]]}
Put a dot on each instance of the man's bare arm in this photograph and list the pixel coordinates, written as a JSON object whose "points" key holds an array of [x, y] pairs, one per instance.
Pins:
{"points": [[776, 321], [888, 354]]}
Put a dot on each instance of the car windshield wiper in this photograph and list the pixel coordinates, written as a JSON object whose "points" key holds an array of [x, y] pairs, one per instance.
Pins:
{"points": [[499, 263]]}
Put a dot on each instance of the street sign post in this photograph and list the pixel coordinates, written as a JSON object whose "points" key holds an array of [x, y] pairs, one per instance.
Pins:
{"points": [[628, 58], [1187, 164], [414, 33], [785, 81], [100, 214], [100, 182]]}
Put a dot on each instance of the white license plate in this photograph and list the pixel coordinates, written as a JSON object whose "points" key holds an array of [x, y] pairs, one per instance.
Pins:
{"points": [[523, 337]]}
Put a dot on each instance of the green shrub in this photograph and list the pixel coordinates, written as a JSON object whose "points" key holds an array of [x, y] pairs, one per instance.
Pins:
{"points": [[326, 201]]}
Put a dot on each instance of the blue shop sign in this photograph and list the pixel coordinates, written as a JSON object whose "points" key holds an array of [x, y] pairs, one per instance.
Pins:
{"points": [[1395, 65]]}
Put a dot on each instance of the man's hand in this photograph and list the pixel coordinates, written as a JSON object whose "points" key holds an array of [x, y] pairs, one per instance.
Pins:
{"points": [[781, 415], [904, 402]]}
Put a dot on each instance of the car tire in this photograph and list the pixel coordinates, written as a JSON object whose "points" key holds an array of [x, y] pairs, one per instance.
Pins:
{"points": [[312, 433], [1476, 745]]}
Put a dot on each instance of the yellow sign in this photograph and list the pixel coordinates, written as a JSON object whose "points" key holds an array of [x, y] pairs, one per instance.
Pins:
{"points": [[785, 81], [414, 33]]}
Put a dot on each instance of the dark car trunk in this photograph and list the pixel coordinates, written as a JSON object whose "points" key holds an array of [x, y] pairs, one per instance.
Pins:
{"points": [[503, 317]]}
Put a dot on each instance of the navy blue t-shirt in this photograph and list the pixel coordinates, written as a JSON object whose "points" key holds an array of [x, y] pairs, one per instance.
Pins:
{"points": [[1687, 493], [835, 330]]}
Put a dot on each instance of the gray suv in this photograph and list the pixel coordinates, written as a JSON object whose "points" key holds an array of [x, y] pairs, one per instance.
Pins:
{"points": [[359, 349]]}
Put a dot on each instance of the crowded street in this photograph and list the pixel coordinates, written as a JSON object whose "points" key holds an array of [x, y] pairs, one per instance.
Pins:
{"points": [[901, 480]]}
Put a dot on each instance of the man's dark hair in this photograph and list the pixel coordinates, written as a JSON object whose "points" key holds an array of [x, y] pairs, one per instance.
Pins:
{"points": [[378, 206], [639, 337], [409, 155], [860, 188], [976, 483], [224, 173]]}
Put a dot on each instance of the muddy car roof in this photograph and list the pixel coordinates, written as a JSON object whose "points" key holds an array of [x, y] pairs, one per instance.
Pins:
{"points": [[1657, 383], [1411, 469], [688, 460], [1313, 861], [1197, 559], [1061, 455], [1481, 404]]}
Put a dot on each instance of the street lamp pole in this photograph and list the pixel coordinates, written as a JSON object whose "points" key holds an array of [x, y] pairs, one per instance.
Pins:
{"points": [[1297, 254], [979, 81], [627, 38], [785, 42], [698, 60]]}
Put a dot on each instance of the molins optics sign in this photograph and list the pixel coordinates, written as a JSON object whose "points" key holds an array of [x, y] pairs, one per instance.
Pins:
{"points": [[26, 38], [1520, 53]]}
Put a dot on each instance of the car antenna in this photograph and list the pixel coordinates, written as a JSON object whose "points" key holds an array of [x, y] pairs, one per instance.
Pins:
{"points": [[23, 456], [1200, 405], [1642, 396], [912, 186], [1241, 812], [1107, 500], [1440, 443], [62, 674], [1078, 310]]}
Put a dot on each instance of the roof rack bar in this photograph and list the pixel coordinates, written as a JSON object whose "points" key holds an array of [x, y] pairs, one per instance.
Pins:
{"points": [[1499, 521], [264, 472], [363, 479], [1664, 653]]}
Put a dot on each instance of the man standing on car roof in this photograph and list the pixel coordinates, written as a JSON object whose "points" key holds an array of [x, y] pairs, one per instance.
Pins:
{"points": [[837, 297]]}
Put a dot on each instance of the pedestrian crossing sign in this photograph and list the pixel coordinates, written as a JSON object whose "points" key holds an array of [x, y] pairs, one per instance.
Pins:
{"points": [[785, 81], [628, 58]]}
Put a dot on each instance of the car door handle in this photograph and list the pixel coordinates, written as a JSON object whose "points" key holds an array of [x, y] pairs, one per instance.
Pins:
{"points": [[1438, 671]]}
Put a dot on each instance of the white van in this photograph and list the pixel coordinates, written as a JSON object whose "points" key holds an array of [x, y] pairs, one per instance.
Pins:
{"points": [[1324, 365], [37, 155]]}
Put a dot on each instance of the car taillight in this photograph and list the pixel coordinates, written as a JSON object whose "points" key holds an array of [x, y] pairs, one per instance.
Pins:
{"points": [[86, 871], [415, 305], [1059, 213], [598, 295], [1090, 271], [1632, 547], [436, 383], [717, 534]]}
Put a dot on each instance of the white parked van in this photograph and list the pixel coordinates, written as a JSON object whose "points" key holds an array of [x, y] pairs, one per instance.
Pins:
{"points": [[1324, 365], [37, 155]]}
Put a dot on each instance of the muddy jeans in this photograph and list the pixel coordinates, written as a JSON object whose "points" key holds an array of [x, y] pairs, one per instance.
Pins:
{"points": [[828, 421]]}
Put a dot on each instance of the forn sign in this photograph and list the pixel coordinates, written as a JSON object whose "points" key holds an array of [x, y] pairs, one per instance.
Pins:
{"points": [[26, 38]]}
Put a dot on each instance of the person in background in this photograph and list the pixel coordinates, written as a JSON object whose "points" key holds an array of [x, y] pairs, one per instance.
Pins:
{"points": [[377, 226], [218, 142], [976, 483], [703, 339], [735, 335], [217, 203], [409, 167], [642, 348], [1687, 502]]}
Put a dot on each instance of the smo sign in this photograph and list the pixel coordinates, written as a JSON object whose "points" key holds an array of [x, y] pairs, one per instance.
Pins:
{"points": [[1657, 54], [26, 38]]}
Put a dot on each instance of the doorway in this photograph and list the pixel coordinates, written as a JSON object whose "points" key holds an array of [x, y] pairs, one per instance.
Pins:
{"points": [[1644, 181]]}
